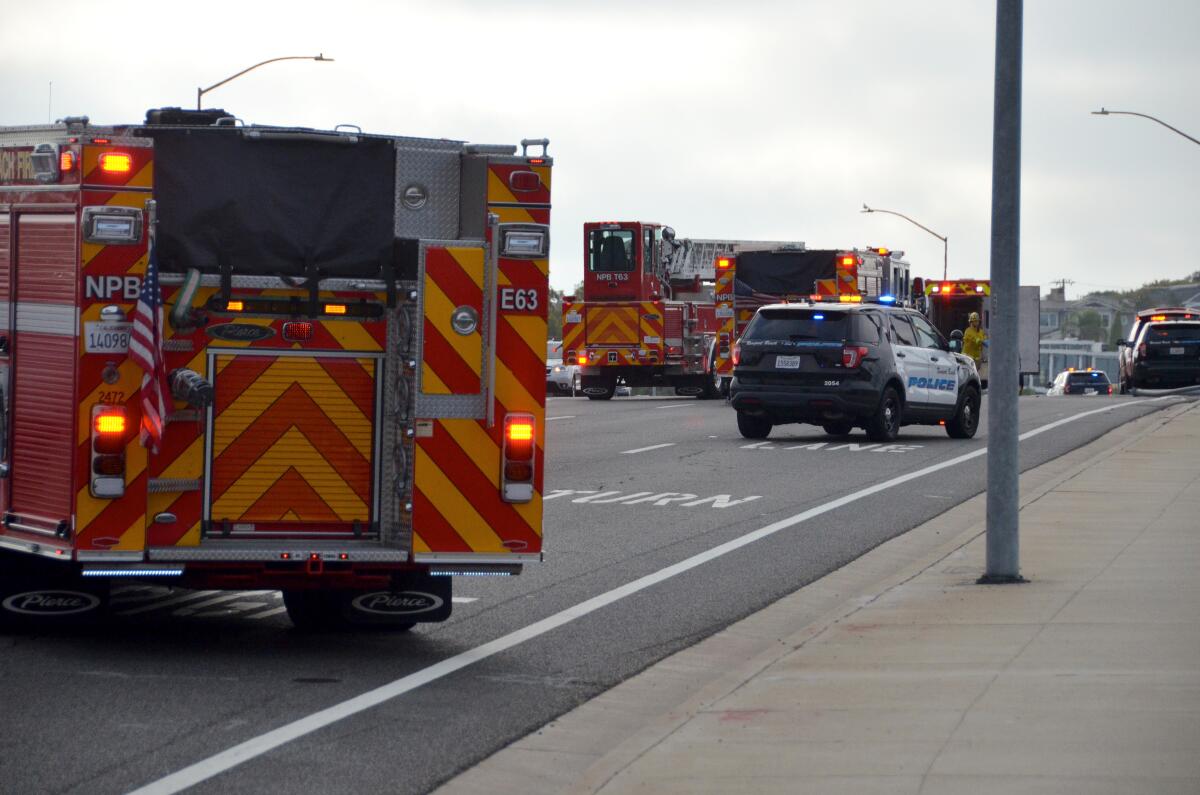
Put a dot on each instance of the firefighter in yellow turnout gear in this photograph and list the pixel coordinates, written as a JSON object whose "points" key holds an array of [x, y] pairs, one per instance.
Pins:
{"points": [[974, 338]]}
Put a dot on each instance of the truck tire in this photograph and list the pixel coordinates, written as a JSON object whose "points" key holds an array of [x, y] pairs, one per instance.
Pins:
{"points": [[838, 428], [753, 427], [315, 611], [965, 421], [884, 424]]}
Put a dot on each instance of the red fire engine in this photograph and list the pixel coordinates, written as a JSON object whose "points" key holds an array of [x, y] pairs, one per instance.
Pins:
{"points": [[657, 310], [351, 338]]}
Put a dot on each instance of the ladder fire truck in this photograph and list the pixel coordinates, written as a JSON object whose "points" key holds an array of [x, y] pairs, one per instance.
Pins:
{"points": [[351, 335], [661, 311]]}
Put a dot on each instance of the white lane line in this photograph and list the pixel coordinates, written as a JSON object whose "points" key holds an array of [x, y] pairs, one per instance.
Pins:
{"points": [[674, 406], [274, 611], [257, 746], [463, 600], [644, 449], [563, 417], [187, 597]]}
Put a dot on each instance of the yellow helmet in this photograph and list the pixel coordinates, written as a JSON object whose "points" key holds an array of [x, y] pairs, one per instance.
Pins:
{"points": [[973, 317]]}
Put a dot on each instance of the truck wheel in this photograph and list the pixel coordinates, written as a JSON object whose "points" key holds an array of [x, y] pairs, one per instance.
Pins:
{"points": [[315, 611], [753, 427], [884, 425], [965, 421], [838, 428]]}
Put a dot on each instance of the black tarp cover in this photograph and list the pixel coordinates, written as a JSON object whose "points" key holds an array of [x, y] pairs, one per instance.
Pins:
{"points": [[783, 272], [272, 207]]}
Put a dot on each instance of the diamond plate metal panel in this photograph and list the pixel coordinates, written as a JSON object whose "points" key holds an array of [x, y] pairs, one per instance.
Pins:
{"points": [[434, 174]]}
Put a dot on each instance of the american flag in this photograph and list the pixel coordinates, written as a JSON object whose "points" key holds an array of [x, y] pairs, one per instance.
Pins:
{"points": [[145, 346]]}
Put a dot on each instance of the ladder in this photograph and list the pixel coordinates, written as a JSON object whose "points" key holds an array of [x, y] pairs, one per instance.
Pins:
{"points": [[692, 258]]}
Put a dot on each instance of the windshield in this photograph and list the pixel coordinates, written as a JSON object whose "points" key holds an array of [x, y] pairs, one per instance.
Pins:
{"points": [[1174, 333], [797, 325], [611, 251], [1094, 377]]}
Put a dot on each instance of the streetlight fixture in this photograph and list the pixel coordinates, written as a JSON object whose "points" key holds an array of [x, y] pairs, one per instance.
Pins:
{"points": [[945, 240], [200, 92], [1106, 112]]}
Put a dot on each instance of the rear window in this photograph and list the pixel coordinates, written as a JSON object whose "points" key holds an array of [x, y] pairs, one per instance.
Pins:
{"points": [[798, 325], [1087, 378], [1174, 332]]}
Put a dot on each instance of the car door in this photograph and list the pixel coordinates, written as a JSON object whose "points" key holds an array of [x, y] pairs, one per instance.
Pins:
{"points": [[943, 369], [911, 364]]}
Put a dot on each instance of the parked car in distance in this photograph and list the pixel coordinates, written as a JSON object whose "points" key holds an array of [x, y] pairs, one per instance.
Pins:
{"points": [[1080, 382], [561, 379]]}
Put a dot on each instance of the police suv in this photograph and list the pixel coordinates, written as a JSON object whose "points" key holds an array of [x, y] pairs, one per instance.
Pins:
{"points": [[843, 366]]}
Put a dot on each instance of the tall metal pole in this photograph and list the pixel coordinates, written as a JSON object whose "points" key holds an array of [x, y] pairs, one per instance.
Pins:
{"points": [[1003, 547]]}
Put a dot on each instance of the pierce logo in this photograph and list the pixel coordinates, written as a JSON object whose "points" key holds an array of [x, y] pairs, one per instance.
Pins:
{"points": [[58, 603], [397, 603], [240, 332]]}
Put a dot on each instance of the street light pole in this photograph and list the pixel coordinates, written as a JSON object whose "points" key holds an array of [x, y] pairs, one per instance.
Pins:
{"points": [[945, 240], [200, 92], [1106, 112]]}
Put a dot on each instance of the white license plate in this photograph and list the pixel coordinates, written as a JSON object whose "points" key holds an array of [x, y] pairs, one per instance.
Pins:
{"points": [[787, 362], [1089, 391], [1177, 351], [106, 337]]}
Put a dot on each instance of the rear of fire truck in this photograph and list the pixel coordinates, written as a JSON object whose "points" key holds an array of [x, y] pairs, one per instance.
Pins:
{"points": [[950, 304], [352, 344]]}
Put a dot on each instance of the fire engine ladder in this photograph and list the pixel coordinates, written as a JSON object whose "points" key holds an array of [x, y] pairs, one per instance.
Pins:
{"points": [[691, 258]]}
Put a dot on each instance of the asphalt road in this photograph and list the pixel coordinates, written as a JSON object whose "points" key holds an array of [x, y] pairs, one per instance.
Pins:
{"points": [[633, 486]]}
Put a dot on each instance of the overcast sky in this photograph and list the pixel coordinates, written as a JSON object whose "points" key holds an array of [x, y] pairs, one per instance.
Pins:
{"points": [[747, 120]]}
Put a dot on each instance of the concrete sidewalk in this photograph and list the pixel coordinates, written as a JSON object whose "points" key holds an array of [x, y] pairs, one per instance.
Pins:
{"points": [[898, 674]]}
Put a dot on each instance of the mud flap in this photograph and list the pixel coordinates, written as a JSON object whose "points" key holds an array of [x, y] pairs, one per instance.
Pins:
{"points": [[42, 598], [421, 598]]}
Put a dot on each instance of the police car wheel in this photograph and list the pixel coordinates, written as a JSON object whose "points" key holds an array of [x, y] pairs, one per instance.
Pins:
{"points": [[965, 421], [753, 427], [884, 426], [838, 428]]}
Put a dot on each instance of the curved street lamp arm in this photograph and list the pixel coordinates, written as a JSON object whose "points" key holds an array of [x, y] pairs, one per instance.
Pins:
{"points": [[1105, 112], [867, 209], [200, 92]]}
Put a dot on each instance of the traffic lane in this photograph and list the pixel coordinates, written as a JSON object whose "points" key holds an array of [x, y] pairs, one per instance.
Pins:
{"points": [[238, 690], [553, 673]]}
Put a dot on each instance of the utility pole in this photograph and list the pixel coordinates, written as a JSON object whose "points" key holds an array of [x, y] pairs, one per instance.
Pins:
{"points": [[1003, 475]]}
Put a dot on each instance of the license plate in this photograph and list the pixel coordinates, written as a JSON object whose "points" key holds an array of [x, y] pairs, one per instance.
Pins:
{"points": [[787, 362], [106, 337], [1089, 391], [1176, 351]]}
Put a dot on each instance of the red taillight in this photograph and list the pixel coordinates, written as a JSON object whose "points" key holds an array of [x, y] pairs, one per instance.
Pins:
{"points": [[722, 263], [107, 424], [736, 355], [116, 162], [66, 162], [852, 355], [520, 442], [1141, 349], [583, 358], [847, 260], [298, 331], [1110, 389]]}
